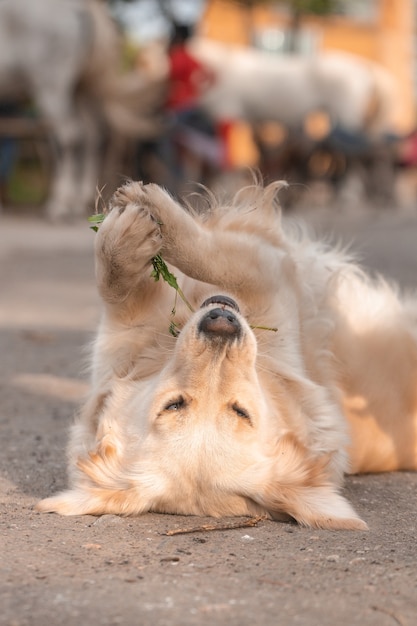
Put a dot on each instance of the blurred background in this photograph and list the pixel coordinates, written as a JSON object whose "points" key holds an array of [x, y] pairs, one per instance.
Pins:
{"points": [[321, 93]]}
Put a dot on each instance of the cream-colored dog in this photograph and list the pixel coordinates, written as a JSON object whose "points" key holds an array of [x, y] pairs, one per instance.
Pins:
{"points": [[232, 417]]}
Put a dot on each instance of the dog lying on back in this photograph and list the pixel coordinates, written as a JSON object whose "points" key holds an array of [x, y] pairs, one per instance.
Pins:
{"points": [[292, 369]]}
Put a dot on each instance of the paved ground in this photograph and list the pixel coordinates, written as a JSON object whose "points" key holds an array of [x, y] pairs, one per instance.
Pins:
{"points": [[108, 570]]}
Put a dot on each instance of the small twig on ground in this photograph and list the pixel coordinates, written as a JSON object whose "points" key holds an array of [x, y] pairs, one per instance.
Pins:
{"points": [[253, 521], [399, 620]]}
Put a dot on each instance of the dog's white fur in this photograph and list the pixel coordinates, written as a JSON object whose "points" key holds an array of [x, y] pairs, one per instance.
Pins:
{"points": [[217, 422]]}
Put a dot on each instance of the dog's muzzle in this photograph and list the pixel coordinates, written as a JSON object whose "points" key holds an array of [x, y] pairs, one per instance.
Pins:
{"points": [[220, 322]]}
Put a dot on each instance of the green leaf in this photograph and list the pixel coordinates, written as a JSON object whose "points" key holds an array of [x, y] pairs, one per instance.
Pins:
{"points": [[96, 220], [160, 269], [173, 329]]}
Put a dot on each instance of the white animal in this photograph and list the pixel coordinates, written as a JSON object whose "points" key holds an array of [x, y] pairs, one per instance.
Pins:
{"points": [[253, 85], [65, 55]]}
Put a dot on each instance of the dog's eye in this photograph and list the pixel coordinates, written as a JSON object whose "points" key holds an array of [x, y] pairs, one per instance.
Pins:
{"points": [[241, 412], [175, 405]]}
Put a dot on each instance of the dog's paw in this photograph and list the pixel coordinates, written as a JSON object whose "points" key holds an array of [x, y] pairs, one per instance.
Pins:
{"points": [[129, 231], [176, 225], [151, 197], [126, 242]]}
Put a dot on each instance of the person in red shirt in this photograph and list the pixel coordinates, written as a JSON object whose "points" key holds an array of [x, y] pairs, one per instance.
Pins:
{"points": [[189, 128], [188, 77]]}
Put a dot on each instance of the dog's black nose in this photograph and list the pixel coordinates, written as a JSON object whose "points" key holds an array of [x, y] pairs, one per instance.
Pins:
{"points": [[224, 300], [220, 323]]}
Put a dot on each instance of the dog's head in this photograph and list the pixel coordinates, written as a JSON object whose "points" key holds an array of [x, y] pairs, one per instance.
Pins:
{"points": [[217, 442], [220, 441]]}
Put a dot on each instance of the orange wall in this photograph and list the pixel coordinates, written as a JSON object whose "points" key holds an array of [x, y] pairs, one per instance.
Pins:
{"points": [[389, 40], [395, 46]]}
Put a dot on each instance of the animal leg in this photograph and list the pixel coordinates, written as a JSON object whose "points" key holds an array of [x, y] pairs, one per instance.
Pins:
{"points": [[90, 162], [126, 242], [215, 256]]}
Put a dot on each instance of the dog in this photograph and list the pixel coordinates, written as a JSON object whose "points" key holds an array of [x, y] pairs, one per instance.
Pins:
{"points": [[288, 368]]}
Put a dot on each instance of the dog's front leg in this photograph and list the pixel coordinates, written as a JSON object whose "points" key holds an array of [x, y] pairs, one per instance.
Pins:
{"points": [[218, 257], [126, 242], [179, 231]]}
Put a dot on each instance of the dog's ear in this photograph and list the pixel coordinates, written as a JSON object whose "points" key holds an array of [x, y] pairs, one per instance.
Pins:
{"points": [[93, 501], [315, 507], [72, 502], [101, 487], [299, 486]]}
